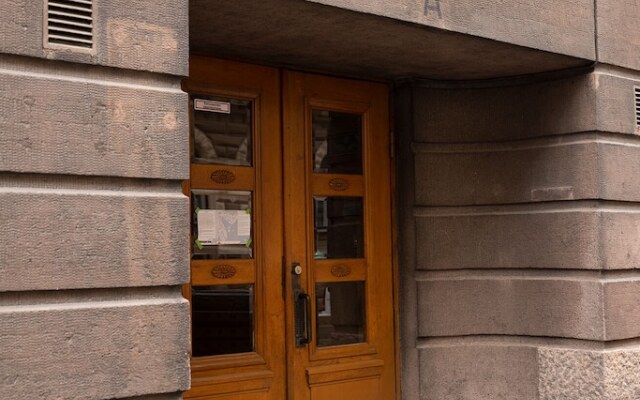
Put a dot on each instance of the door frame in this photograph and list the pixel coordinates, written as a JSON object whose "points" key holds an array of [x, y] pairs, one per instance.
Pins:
{"points": [[252, 366]]}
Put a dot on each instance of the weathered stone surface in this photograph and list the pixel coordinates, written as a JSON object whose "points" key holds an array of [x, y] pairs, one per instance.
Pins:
{"points": [[561, 27], [570, 308], [480, 371], [377, 46], [577, 307], [597, 101], [505, 113], [620, 239], [592, 375], [619, 32], [567, 374], [588, 166], [527, 370], [151, 36], [622, 309], [94, 350], [621, 374], [69, 238], [508, 238], [615, 102], [65, 125], [584, 235], [553, 169]]}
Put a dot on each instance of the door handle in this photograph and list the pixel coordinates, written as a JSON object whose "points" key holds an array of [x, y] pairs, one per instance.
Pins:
{"points": [[301, 309], [303, 335]]}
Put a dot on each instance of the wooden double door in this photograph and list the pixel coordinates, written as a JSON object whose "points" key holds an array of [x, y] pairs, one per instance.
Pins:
{"points": [[291, 271]]}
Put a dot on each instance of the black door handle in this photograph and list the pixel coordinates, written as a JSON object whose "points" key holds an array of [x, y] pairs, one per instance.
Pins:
{"points": [[303, 319], [301, 309]]}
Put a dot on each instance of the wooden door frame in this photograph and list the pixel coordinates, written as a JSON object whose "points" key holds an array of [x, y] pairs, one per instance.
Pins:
{"points": [[198, 64]]}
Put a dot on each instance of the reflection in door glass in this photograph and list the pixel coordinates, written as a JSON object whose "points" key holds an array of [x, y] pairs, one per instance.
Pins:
{"points": [[338, 227], [222, 318], [337, 142], [221, 131], [221, 224], [340, 313]]}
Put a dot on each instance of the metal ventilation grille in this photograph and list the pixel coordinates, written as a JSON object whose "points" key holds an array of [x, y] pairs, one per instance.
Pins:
{"points": [[70, 23], [637, 96]]}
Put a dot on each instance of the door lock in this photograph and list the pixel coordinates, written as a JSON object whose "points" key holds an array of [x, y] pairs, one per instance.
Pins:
{"points": [[297, 269]]}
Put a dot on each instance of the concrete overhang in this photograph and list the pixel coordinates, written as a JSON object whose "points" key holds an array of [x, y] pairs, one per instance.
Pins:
{"points": [[315, 37]]}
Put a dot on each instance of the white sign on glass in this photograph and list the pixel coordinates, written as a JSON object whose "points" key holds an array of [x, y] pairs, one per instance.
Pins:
{"points": [[223, 227]]}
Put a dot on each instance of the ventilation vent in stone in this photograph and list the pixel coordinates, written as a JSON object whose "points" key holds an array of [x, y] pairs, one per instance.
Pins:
{"points": [[70, 23], [637, 97]]}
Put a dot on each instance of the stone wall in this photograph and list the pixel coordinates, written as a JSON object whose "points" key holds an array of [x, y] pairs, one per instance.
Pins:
{"points": [[518, 206], [523, 231], [93, 147]]}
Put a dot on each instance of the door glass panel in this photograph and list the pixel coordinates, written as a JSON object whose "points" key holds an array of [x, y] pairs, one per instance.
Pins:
{"points": [[340, 313], [221, 130], [337, 142], [221, 224], [338, 227], [222, 318]]}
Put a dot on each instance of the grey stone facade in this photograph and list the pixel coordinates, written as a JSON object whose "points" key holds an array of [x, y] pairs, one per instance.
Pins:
{"points": [[94, 224], [518, 189]]}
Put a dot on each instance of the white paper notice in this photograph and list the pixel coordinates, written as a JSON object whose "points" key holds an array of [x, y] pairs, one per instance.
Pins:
{"points": [[223, 227]]}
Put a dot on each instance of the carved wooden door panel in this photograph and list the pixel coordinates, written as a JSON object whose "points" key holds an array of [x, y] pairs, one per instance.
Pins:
{"points": [[291, 271]]}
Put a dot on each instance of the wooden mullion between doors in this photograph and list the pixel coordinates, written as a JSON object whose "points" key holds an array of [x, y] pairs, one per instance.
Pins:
{"points": [[296, 198]]}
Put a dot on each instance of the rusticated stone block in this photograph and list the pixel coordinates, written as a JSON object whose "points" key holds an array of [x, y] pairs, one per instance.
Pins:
{"points": [[94, 350], [527, 370], [478, 372], [507, 238], [141, 35], [62, 238], [615, 107], [506, 112], [529, 305], [589, 166], [511, 306], [621, 309], [580, 235], [619, 32], [560, 27], [60, 125], [597, 101], [542, 170], [590, 375], [571, 374], [621, 374]]}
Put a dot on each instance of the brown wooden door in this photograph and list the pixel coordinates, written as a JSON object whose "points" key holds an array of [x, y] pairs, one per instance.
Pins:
{"points": [[292, 276]]}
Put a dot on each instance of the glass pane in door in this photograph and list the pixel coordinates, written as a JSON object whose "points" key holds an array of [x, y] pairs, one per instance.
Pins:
{"points": [[221, 130], [338, 227], [337, 142], [222, 319], [340, 313]]}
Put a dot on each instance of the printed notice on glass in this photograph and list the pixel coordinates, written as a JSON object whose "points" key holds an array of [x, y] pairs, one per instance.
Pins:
{"points": [[223, 227]]}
